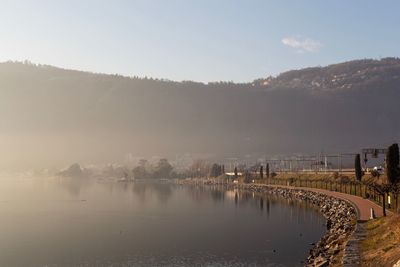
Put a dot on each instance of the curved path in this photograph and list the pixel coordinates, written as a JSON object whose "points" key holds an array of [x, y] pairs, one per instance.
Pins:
{"points": [[362, 205]]}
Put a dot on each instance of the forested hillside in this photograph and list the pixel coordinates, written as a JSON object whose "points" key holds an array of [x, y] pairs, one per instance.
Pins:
{"points": [[67, 115]]}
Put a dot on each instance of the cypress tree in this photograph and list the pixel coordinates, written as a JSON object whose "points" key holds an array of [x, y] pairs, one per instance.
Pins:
{"points": [[214, 170], [392, 164], [261, 172], [219, 170], [357, 167], [236, 173], [267, 170]]}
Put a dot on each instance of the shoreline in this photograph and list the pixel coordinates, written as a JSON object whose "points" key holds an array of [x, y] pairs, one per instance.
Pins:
{"points": [[341, 219], [340, 214]]}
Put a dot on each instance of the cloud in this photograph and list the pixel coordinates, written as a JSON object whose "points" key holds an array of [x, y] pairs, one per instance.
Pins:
{"points": [[301, 44]]}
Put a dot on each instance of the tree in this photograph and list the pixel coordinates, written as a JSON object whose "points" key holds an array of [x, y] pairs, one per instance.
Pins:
{"points": [[139, 172], [261, 172], [391, 184], [74, 170], [199, 168], [247, 177], [357, 167], [163, 169], [236, 173], [393, 170], [215, 170], [381, 189], [267, 170], [392, 164]]}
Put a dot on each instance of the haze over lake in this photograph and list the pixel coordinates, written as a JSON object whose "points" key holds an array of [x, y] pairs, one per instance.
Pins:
{"points": [[75, 222]]}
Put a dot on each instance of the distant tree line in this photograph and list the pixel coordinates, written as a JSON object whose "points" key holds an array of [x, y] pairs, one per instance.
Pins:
{"points": [[162, 170]]}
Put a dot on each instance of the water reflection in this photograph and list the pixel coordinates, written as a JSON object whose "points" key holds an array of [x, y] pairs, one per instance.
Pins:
{"points": [[299, 210], [151, 224], [236, 198], [142, 190], [73, 185]]}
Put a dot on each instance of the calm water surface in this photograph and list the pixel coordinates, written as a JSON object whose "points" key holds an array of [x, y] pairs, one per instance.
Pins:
{"points": [[72, 222]]}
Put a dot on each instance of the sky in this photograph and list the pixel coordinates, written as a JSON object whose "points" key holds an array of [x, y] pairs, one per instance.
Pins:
{"points": [[202, 40]]}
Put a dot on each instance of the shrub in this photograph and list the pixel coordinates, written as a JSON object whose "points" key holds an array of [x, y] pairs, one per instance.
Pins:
{"points": [[375, 173]]}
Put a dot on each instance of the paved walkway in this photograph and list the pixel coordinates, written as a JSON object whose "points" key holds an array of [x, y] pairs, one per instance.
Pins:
{"points": [[363, 205]]}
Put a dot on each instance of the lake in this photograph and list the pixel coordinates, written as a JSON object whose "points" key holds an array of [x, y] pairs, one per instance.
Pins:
{"points": [[77, 222]]}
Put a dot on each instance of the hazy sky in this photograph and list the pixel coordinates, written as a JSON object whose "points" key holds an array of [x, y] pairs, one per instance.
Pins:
{"points": [[201, 40]]}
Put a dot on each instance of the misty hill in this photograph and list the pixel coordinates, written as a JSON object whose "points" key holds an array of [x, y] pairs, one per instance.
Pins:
{"points": [[59, 116], [352, 75]]}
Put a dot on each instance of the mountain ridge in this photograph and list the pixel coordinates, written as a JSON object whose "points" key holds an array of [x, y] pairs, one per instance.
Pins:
{"points": [[363, 66], [339, 76]]}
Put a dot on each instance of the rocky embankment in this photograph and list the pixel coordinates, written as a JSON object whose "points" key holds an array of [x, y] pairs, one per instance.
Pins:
{"points": [[340, 216]]}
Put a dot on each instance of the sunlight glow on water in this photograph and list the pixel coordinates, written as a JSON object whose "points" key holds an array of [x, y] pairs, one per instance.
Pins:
{"points": [[73, 222]]}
